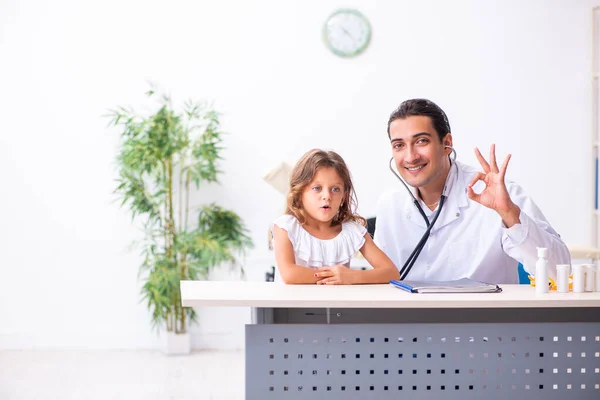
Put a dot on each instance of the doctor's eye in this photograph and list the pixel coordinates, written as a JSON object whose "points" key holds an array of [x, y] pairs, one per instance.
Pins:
{"points": [[397, 146], [422, 141]]}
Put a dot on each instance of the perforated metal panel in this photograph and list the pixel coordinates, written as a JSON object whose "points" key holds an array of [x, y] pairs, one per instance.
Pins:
{"points": [[423, 361]]}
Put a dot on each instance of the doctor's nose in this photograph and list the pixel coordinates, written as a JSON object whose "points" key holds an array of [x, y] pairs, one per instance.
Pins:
{"points": [[411, 155]]}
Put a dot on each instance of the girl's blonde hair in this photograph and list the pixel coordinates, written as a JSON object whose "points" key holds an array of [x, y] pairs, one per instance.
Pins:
{"points": [[304, 172]]}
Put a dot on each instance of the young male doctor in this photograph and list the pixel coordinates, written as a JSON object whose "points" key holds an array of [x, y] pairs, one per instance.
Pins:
{"points": [[443, 223]]}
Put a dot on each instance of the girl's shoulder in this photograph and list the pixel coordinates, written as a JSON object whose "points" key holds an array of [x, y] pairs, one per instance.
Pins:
{"points": [[354, 228], [287, 222], [291, 225]]}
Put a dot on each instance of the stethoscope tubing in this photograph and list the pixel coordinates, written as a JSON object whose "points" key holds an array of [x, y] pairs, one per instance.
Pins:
{"points": [[419, 247]]}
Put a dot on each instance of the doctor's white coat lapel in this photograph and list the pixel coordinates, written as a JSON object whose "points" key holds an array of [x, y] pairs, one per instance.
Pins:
{"points": [[411, 212], [412, 215], [457, 198]]}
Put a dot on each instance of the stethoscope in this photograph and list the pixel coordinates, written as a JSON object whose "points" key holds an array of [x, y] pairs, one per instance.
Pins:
{"points": [[419, 247]]}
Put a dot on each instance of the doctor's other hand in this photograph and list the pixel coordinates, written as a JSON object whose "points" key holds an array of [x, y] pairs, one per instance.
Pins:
{"points": [[494, 195], [335, 275]]}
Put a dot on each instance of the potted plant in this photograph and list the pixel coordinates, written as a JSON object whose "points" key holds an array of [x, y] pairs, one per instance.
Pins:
{"points": [[162, 158]]}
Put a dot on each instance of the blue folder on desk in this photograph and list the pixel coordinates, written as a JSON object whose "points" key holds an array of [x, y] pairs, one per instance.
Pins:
{"points": [[464, 285]]}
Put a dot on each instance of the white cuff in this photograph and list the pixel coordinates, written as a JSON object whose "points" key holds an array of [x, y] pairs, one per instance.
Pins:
{"points": [[518, 232]]}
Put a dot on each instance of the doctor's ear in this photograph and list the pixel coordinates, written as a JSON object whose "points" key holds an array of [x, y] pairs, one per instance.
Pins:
{"points": [[447, 141]]}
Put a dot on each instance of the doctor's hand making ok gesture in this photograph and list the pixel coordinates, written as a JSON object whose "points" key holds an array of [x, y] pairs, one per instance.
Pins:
{"points": [[495, 195]]}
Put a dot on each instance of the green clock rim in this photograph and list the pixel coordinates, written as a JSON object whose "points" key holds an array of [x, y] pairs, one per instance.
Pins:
{"points": [[358, 50]]}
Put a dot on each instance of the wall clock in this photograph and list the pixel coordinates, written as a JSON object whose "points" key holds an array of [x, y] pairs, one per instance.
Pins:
{"points": [[347, 32]]}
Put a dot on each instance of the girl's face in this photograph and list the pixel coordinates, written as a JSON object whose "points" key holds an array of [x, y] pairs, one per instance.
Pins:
{"points": [[323, 196]]}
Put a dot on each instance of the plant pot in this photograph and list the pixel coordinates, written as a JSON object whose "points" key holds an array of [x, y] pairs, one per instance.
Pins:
{"points": [[178, 344]]}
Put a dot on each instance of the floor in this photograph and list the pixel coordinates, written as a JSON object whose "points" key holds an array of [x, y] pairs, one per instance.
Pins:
{"points": [[131, 375]]}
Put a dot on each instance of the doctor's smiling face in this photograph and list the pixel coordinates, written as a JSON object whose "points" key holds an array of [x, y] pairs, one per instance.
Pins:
{"points": [[419, 151]]}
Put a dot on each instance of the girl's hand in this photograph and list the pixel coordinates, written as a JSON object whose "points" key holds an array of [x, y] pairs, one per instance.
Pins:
{"points": [[335, 275]]}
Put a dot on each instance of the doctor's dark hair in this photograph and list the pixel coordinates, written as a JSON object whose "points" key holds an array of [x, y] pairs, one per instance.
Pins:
{"points": [[422, 107], [303, 174]]}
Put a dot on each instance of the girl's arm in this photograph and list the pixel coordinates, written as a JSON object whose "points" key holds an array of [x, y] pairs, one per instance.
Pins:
{"points": [[286, 260], [383, 270]]}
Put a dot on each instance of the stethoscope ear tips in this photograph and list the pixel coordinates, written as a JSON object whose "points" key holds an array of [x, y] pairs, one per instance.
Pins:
{"points": [[452, 151]]}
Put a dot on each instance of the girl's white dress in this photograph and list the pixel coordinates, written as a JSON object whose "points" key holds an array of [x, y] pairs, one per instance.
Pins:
{"points": [[315, 253]]}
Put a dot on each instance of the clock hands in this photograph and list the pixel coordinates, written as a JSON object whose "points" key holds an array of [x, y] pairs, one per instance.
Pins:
{"points": [[347, 33]]}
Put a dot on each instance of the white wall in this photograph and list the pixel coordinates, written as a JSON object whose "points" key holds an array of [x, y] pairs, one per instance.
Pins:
{"points": [[511, 72]]}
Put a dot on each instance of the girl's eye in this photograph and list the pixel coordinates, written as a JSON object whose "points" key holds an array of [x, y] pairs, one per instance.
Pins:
{"points": [[316, 188], [336, 190]]}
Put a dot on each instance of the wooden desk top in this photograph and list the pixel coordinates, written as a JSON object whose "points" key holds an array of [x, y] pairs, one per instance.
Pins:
{"points": [[279, 295]]}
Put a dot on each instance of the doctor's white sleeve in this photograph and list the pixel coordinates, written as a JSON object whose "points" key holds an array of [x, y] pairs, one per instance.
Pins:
{"points": [[522, 240]]}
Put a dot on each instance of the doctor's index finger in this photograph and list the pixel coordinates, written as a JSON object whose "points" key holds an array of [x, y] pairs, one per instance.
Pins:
{"points": [[479, 176], [484, 164], [472, 195]]}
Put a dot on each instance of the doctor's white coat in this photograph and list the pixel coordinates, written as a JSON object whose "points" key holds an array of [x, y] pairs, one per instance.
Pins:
{"points": [[468, 239]]}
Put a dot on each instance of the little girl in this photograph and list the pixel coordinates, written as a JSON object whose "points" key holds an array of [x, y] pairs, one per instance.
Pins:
{"points": [[319, 233]]}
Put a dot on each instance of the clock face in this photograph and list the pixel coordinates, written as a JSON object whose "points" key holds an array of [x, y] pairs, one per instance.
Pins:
{"points": [[347, 33]]}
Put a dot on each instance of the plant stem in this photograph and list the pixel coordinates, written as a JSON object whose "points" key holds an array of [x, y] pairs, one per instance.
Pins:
{"points": [[182, 327], [180, 194], [172, 253], [182, 251], [187, 198], [184, 256], [166, 210], [171, 219]]}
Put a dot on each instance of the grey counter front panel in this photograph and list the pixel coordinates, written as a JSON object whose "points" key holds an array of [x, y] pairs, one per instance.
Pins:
{"points": [[423, 360]]}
